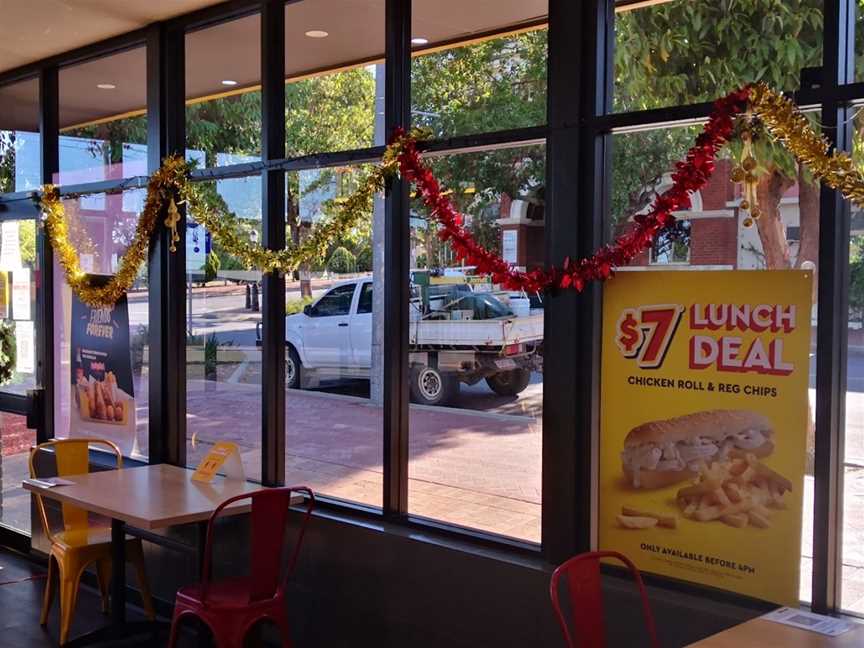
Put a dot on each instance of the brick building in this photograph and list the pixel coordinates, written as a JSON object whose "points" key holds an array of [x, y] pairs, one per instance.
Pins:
{"points": [[718, 239]]}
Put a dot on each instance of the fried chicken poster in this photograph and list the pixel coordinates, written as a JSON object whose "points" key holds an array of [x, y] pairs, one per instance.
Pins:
{"points": [[704, 417], [103, 400]]}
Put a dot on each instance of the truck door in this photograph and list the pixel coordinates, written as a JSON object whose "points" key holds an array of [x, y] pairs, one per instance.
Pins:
{"points": [[360, 330], [325, 331]]}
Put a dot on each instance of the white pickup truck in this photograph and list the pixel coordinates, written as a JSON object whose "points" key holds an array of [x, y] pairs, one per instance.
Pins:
{"points": [[332, 339]]}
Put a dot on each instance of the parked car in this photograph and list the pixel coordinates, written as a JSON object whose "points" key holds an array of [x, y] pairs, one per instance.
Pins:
{"points": [[456, 336]]}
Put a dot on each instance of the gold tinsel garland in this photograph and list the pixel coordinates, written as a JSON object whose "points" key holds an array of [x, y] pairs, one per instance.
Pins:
{"points": [[172, 181], [788, 125]]}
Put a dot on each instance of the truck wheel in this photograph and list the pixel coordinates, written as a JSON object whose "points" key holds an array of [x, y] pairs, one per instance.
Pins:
{"points": [[509, 383], [432, 387], [292, 368]]}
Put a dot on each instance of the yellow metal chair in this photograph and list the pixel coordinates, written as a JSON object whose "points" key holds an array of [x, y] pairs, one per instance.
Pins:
{"points": [[79, 544]]}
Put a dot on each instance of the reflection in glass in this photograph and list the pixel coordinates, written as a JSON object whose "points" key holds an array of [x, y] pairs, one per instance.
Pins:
{"points": [[19, 137], [223, 107], [103, 121], [476, 415], [334, 332], [223, 311], [101, 227]]}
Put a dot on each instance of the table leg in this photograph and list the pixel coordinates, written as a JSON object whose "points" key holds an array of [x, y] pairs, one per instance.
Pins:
{"points": [[118, 572]]}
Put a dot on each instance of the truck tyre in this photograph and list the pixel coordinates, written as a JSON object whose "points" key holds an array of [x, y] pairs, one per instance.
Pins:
{"points": [[509, 383], [292, 368], [430, 386]]}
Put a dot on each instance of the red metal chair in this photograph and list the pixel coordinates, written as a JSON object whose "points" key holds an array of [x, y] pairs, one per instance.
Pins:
{"points": [[586, 599], [231, 607]]}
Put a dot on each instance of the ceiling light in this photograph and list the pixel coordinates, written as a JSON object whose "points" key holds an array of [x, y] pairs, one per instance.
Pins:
{"points": [[228, 82], [317, 33], [419, 41], [106, 86]]}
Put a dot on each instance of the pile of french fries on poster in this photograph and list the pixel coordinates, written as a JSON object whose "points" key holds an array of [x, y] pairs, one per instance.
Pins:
{"points": [[704, 418]]}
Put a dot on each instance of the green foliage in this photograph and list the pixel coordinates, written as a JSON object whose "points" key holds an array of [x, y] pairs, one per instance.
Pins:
{"points": [[227, 125], [211, 354], [7, 161], [334, 112], [211, 266], [364, 257], [341, 261], [7, 352], [27, 241], [856, 278], [493, 85], [294, 306], [686, 52], [683, 52]]}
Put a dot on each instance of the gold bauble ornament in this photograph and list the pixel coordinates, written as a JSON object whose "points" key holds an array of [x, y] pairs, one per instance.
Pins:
{"points": [[745, 205], [747, 222], [737, 175], [749, 163]]}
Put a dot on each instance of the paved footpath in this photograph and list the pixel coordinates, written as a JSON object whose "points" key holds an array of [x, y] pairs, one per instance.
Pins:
{"points": [[476, 469]]}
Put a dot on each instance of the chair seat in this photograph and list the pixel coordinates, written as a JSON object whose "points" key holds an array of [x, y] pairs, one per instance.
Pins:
{"points": [[227, 593], [86, 537]]}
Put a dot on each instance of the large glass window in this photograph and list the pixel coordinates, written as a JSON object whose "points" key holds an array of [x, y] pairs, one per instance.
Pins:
{"points": [[19, 171], [686, 51], [852, 598], [714, 235], [334, 92], [19, 137], [334, 331], [223, 94], [488, 84], [476, 414], [103, 121], [223, 360], [495, 84], [101, 356]]}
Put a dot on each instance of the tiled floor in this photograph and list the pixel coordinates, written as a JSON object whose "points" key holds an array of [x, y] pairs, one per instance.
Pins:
{"points": [[21, 587]]}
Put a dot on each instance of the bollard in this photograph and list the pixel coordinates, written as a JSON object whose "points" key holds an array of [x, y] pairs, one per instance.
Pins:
{"points": [[256, 306], [248, 296]]}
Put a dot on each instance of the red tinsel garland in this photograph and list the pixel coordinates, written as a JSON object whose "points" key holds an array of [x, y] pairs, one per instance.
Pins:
{"points": [[691, 175]]}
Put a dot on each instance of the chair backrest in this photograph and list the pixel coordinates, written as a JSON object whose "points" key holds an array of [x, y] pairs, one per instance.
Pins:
{"points": [[268, 521], [582, 574], [72, 457]]}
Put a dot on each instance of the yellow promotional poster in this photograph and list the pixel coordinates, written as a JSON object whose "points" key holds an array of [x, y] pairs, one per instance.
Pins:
{"points": [[704, 418]]}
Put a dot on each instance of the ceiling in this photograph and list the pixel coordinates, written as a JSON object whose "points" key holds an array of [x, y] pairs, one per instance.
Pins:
{"points": [[228, 51], [34, 30]]}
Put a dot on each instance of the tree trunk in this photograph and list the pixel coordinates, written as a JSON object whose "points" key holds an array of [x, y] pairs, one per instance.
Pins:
{"points": [[770, 189]]}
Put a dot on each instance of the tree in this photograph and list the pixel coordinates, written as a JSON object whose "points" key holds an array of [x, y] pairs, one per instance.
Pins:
{"points": [[341, 261], [680, 53], [856, 279], [496, 84]]}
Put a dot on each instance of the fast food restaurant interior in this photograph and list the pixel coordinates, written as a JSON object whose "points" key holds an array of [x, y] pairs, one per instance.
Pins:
{"points": [[432, 323]]}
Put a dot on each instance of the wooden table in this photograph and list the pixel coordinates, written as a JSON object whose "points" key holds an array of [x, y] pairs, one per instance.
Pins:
{"points": [[759, 633], [146, 497]]}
